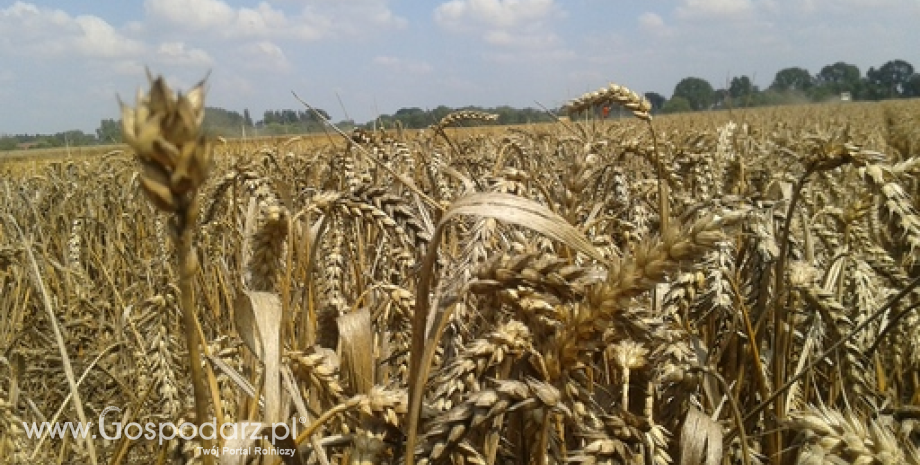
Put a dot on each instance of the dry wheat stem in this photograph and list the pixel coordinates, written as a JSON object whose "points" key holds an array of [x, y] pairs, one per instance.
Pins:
{"points": [[164, 130], [778, 391], [59, 340]]}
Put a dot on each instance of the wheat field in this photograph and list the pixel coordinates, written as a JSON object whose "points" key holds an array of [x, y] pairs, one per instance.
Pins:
{"points": [[732, 287]]}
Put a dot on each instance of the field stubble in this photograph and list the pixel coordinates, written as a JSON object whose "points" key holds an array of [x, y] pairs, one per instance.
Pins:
{"points": [[513, 295]]}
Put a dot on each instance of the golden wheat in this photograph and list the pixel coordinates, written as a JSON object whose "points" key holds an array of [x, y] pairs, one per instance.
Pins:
{"points": [[670, 291]]}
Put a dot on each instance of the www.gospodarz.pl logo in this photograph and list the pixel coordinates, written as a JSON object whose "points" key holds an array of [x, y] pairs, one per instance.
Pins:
{"points": [[163, 432]]}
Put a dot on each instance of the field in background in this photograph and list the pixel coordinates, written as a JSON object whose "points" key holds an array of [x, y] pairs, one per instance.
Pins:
{"points": [[770, 317], [40, 157]]}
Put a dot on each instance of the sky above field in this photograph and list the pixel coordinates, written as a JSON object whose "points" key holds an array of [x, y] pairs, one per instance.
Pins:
{"points": [[63, 62]]}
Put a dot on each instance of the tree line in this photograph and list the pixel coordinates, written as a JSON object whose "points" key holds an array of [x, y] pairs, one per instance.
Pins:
{"points": [[230, 123], [217, 122], [417, 118], [74, 138], [840, 80], [837, 81]]}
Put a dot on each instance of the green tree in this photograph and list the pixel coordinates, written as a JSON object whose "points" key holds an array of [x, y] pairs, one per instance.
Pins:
{"points": [[657, 100], [912, 89], [247, 119], [822, 94], [677, 104], [413, 118], [322, 113], [346, 125], [891, 80], [222, 122], [8, 143], [289, 117], [839, 77], [792, 79], [219, 118], [109, 131], [740, 87], [698, 93], [719, 96], [72, 138], [440, 112]]}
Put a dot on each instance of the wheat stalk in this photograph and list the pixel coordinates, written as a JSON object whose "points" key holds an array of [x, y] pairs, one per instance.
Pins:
{"points": [[164, 130]]}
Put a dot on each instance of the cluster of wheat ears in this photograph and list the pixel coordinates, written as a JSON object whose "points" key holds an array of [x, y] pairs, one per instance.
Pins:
{"points": [[735, 288]]}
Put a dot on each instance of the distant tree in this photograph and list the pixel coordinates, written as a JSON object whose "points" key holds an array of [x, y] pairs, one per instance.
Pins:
{"points": [[417, 118], [346, 125], [408, 111], [109, 132], [289, 117], [222, 122], [657, 100], [792, 79], [507, 115], [72, 138], [677, 104], [215, 117], [697, 92], [719, 96], [741, 87], [822, 93], [891, 80], [912, 88], [247, 119], [413, 118], [839, 77], [440, 112], [8, 143], [788, 97], [323, 113]]}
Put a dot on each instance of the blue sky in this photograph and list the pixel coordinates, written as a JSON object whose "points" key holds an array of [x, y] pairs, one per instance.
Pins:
{"points": [[62, 62]]}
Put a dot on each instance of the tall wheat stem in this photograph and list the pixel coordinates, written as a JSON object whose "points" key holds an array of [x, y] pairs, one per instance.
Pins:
{"points": [[188, 265], [780, 336], [664, 207], [175, 158]]}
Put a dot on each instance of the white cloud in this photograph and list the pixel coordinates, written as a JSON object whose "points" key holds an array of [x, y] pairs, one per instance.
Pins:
{"points": [[651, 20], [265, 55], [522, 39], [375, 12], [133, 68], [28, 29], [403, 65], [458, 14], [523, 24], [216, 16], [195, 14], [316, 20], [848, 7], [715, 8], [530, 58], [653, 24], [176, 53], [95, 37]]}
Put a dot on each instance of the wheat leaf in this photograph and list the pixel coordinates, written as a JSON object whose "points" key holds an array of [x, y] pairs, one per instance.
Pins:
{"points": [[700, 439], [258, 321]]}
